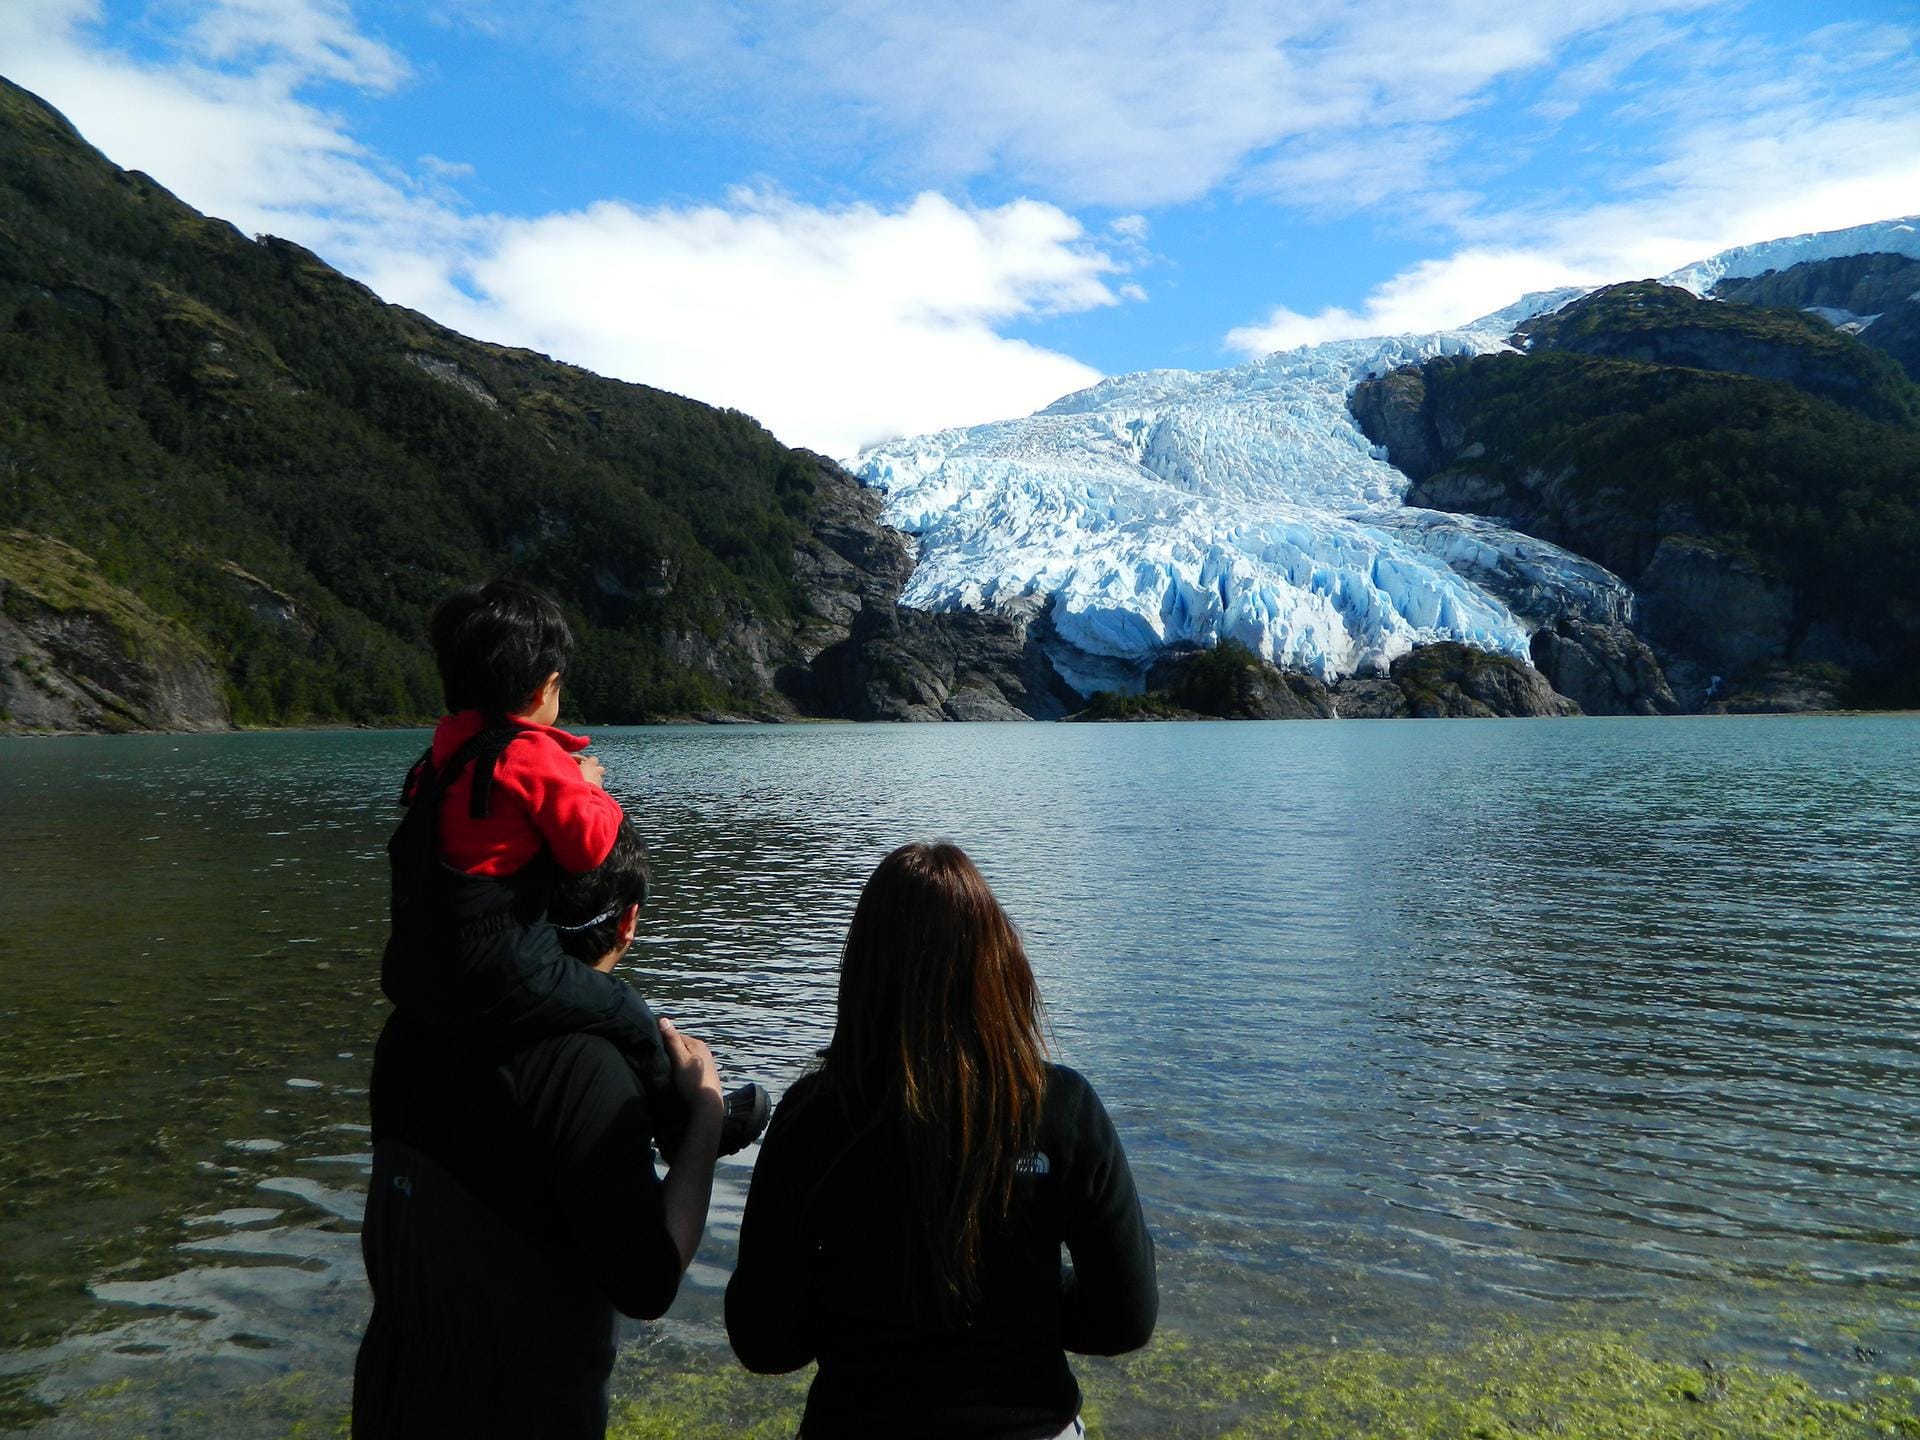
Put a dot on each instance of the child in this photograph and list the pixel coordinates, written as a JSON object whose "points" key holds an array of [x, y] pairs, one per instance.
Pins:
{"points": [[498, 806]]}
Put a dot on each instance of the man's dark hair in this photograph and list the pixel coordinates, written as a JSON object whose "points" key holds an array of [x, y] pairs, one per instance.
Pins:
{"points": [[497, 645], [586, 909]]}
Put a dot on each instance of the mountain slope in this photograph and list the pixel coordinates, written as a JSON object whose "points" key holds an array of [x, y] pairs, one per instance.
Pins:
{"points": [[184, 404], [1175, 508], [265, 455], [1753, 473], [1875, 297]]}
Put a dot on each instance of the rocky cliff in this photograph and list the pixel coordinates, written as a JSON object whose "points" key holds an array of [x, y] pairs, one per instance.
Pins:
{"points": [[78, 653], [861, 655], [1874, 297], [1753, 474], [1230, 682], [1448, 680]]}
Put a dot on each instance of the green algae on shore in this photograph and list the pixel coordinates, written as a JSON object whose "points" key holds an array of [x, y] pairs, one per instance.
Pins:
{"points": [[1513, 1382], [1509, 1384]]}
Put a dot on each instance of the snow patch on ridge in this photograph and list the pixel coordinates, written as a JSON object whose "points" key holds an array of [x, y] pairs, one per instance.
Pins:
{"points": [[1882, 237]]}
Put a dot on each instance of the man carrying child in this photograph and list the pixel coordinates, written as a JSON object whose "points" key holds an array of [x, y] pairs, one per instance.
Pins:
{"points": [[514, 1207], [502, 1141]]}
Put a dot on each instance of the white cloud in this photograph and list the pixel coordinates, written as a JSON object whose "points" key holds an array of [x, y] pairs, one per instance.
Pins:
{"points": [[446, 169], [1121, 102], [1752, 143], [314, 38], [844, 323], [1433, 295], [235, 141], [834, 326]]}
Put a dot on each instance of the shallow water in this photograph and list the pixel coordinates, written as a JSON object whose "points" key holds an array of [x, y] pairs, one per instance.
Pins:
{"points": [[1398, 1021]]}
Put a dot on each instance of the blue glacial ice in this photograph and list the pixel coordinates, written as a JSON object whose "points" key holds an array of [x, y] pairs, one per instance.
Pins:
{"points": [[1174, 507]]}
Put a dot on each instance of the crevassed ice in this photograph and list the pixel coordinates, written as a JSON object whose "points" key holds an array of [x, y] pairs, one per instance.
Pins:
{"points": [[1174, 507]]}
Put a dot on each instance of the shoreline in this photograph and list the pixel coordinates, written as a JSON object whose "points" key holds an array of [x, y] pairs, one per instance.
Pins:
{"points": [[723, 721], [1506, 1378]]}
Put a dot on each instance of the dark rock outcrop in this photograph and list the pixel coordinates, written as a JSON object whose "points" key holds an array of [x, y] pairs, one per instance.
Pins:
{"points": [[1436, 681], [902, 664], [1786, 690], [1453, 680], [1604, 669], [861, 655], [78, 653], [1714, 615], [1230, 682], [1393, 411], [1369, 697]]}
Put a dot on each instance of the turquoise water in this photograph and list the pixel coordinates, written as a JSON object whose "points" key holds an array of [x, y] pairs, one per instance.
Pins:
{"points": [[1398, 1021]]}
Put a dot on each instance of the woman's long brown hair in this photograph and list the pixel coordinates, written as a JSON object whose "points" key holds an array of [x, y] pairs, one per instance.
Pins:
{"points": [[939, 1030]]}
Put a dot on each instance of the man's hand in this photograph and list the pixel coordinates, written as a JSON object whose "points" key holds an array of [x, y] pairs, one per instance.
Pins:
{"points": [[590, 770], [695, 1075]]}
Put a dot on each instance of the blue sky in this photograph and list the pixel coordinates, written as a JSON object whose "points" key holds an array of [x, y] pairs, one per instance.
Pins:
{"points": [[862, 220]]}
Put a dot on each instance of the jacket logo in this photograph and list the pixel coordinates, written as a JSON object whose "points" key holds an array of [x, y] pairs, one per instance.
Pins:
{"points": [[1034, 1164]]}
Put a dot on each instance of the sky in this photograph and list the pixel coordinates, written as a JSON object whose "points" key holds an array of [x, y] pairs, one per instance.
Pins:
{"points": [[861, 220]]}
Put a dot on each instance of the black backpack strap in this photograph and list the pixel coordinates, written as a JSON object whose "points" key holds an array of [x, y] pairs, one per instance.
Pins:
{"points": [[483, 750], [497, 736], [418, 778]]}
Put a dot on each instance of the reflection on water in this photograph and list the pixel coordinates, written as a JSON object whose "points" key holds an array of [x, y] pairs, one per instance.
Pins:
{"points": [[1617, 1011]]}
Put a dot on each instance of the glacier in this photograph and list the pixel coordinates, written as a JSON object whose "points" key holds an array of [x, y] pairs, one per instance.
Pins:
{"points": [[1172, 508], [1882, 237]]}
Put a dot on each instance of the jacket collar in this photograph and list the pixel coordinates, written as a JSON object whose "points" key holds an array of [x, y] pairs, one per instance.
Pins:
{"points": [[456, 729]]}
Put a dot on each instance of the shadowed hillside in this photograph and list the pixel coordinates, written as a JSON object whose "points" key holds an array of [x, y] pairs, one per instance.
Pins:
{"points": [[253, 448], [1754, 473]]}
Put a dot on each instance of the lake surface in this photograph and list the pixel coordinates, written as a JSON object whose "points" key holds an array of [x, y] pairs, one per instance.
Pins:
{"points": [[1401, 1023]]}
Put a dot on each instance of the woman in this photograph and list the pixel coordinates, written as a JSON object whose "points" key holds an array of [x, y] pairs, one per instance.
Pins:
{"points": [[906, 1215]]}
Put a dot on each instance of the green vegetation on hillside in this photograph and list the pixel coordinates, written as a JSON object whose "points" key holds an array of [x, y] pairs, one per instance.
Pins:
{"points": [[1213, 681], [1660, 324], [1642, 414], [1115, 705], [1809, 490], [260, 449]]}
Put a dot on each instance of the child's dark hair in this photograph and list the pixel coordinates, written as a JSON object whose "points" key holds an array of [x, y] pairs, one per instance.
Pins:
{"points": [[497, 645], [586, 909]]}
